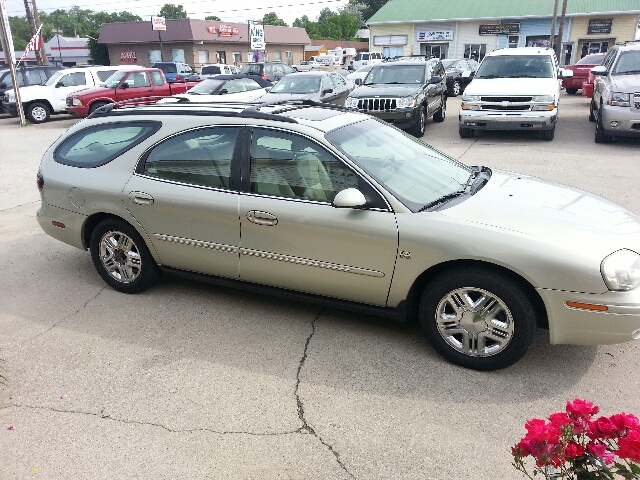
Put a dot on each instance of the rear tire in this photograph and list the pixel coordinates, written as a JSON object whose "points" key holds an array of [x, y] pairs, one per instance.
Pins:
{"points": [[122, 258], [478, 318], [456, 88], [571, 91]]}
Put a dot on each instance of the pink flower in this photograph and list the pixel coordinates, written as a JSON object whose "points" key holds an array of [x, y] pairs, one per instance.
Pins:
{"points": [[603, 427], [560, 419], [630, 446], [600, 450], [581, 409], [625, 421], [574, 450]]}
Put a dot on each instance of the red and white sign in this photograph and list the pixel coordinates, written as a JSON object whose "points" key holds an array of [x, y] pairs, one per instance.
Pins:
{"points": [[235, 31], [159, 23], [128, 57], [211, 29], [34, 44], [225, 30]]}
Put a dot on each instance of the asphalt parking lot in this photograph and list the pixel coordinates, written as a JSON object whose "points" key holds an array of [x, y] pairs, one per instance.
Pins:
{"points": [[195, 381]]}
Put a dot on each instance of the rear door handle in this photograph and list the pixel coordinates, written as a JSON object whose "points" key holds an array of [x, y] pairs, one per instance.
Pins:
{"points": [[262, 218], [141, 198]]}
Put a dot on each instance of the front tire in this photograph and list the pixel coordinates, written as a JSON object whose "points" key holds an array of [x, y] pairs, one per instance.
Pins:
{"points": [[592, 117], [419, 128], [465, 132], [600, 135], [441, 113], [38, 112], [96, 105], [121, 257], [548, 135], [477, 318]]}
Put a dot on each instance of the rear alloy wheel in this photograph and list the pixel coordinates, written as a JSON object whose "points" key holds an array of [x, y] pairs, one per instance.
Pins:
{"points": [[38, 112], [572, 91], [478, 319], [465, 132], [548, 134], [601, 136], [420, 126], [441, 113], [121, 257], [456, 88]]}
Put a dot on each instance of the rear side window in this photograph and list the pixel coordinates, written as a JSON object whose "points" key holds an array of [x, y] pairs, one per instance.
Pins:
{"points": [[96, 146], [213, 70], [104, 74]]}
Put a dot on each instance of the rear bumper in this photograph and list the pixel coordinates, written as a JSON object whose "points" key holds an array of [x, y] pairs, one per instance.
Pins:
{"points": [[573, 82], [507, 120], [619, 324], [587, 89]]}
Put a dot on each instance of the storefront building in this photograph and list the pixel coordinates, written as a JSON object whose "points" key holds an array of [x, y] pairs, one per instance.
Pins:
{"points": [[199, 42], [471, 28]]}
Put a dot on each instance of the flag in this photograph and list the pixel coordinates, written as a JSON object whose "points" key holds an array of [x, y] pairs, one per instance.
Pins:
{"points": [[34, 44]]}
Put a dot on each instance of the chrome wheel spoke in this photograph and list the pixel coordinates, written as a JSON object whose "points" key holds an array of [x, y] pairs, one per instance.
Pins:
{"points": [[120, 257]]}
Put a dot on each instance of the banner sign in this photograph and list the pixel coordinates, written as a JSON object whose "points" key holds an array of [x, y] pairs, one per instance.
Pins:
{"points": [[224, 30], [128, 57], [500, 29], [433, 35], [256, 33], [600, 25], [211, 29], [159, 23]]}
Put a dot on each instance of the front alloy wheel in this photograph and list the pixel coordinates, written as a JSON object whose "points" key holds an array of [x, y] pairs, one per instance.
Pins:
{"points": [[476, 318]]}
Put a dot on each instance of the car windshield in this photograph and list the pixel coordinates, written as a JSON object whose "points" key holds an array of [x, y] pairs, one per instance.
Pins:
{"points": [[414, 172], [253, 69], [389, 74], [447, 64], [297, 83], [516, 66], [53, 79], [591, 60], [628, 63], [114, 80], [206, 87]]}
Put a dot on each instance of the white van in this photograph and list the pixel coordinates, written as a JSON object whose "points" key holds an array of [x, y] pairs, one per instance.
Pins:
{"points": [[327, 60], [365, 58]]}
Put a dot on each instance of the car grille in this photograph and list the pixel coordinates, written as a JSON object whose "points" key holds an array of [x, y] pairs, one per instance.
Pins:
{"points": [[636, 100], [506, 99], [69, 102], [506, 107], [377, 104]]}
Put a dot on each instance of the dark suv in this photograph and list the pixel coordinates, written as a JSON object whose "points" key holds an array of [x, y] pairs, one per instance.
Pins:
{"points": [[272, 71], [404, 92], [27, 75]]}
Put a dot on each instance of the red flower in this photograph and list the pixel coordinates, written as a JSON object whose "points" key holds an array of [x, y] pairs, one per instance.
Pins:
{"points": [[573, 450], [600, 450], [560, 419], [625, 421], [630, 446], [581, 409], [603, 428]]}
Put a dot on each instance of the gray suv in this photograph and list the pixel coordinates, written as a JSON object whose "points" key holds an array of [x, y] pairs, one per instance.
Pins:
{"points": [[615, 106]]}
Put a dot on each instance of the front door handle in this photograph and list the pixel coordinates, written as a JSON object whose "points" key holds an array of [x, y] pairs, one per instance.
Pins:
{"points": [[141, 198], [261, 218]]}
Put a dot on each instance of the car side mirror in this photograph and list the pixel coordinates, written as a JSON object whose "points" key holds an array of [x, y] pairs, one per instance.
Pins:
{"points": [[59, 84], [124, 86], [349, 198], [468, 74], [566, 73], [434, 80], [267, 89], [358, 81], [327, 90], [599, 70], [224, 91]]}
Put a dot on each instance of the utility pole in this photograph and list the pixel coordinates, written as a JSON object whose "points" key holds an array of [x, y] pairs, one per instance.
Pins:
{"points": [[10, 59], [36, 22], [553, 24], [32, 27], [560, 32]]}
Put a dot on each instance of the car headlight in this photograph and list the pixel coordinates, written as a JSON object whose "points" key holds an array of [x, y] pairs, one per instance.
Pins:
{"points": [[470, 98], [406, 102], [76, 102], [621, 270], [351, 102], [9, 97], [543, 98], [620, 99]]}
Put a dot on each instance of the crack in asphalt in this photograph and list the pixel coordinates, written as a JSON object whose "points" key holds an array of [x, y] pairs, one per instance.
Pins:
{"points": [[470, 146], [4, 210], [68, 316], [306, 428]]}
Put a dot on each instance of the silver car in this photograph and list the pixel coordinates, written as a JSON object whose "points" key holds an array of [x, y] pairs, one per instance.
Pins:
{"points": [[334, 206]]}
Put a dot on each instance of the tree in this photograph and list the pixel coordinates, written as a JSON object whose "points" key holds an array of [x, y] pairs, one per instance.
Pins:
{"points": [[272, 19], [172, 12], [368, 7], [213, 17]]}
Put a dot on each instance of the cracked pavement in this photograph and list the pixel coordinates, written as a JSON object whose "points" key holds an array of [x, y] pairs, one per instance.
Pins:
{"points": [[197, 381]]}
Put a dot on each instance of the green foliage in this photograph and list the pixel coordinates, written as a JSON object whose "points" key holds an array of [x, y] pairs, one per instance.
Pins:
{"points": [[367, 7], [272, 19], [213, 17], [20, 33], [172, 12], [99, 53], [330, 25]]}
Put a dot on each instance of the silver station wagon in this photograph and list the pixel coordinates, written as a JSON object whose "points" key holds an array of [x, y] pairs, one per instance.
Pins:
{"points": [[333, 206]]}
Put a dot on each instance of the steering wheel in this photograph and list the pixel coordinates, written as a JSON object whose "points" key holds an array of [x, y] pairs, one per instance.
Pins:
{"points": [[389, 166]]}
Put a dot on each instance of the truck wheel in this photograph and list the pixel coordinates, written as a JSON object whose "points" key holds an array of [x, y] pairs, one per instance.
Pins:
{"points": [[38, 112], [96, 105], [571, 91], [465, 132], [418, 129], [548, 134], [456, 88], [592, 117], [441, 113], [601, 136]]}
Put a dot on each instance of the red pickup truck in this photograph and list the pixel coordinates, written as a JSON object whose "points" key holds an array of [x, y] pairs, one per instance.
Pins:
{"points": [[145, 82]]}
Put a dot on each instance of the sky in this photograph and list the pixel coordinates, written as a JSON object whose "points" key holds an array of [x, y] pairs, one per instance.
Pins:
{"points": [[228, 10]]}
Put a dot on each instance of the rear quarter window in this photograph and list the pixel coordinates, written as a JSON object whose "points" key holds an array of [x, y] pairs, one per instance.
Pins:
{"points": [[97, 146], [104, 74]]}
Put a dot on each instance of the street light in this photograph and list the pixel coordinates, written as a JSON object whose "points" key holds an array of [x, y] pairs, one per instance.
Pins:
{"points": [[58, 32]]}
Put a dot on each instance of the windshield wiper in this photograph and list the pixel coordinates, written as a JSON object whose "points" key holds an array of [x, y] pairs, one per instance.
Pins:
{"points": [[488, 76], [443, 199], [479, 176]]}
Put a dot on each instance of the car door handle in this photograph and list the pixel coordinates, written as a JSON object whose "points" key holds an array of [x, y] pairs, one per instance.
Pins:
{"points": [[141, 198], [262, 218]]}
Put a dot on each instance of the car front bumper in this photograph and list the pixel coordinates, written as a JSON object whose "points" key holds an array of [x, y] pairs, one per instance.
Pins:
{"points": [[10, 108], [81, 111], [402, 118], [621, 121], [618, 324], [507, 120]]}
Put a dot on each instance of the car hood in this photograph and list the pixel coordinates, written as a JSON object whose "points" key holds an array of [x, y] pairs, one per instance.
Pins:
{"points": [[626, 83], [384, 91], [512, 86], [281, 97], [91, 91], [556, 214]]}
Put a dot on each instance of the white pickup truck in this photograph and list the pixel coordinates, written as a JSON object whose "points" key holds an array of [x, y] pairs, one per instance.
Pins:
{"points": [[40, 101], [514, 89]]}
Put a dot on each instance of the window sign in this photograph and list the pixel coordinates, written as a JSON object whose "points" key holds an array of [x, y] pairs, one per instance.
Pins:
{"points": [[224, 30], [500, 29], [128, 58], [600, 25], [434, 35]]}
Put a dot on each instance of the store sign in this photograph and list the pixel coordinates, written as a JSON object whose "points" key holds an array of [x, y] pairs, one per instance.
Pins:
{"points": [[500, 29], [159, 23], [433, 35], [224, 30], [211, 30], [600, 25], [128, 58], [256, 33]]}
